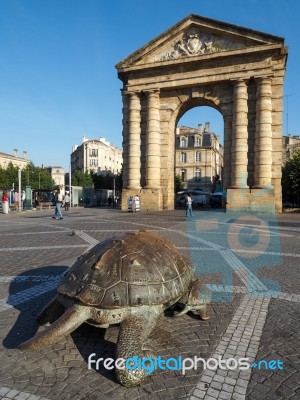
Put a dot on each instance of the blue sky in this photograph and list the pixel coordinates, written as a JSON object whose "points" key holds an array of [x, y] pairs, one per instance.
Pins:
{"points": [[57, 74]]}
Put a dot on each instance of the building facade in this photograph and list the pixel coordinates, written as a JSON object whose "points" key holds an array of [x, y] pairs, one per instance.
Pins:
{"points": [[17, 161], [199, 157], [96, 155], [58, 176], [290, 145]]}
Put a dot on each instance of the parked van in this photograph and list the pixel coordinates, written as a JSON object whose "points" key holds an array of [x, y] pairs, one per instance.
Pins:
{"points": [[199, 197], [217, 199]]}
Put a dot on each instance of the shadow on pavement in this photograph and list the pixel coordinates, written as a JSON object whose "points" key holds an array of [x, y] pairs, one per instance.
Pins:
{"points": [[29, 292], [25, 295]]}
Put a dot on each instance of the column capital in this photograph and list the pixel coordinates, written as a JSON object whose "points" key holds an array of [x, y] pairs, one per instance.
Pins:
{"points": [[152, 91], [130, 93], [240, 81], [263, 79]]}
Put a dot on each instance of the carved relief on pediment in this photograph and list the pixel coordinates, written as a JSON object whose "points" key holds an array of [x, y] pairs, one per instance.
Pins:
{"points": [[194, 43]]}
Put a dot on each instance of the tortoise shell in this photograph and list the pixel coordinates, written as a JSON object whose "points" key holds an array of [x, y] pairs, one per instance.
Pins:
{"points": [[141, 268]]}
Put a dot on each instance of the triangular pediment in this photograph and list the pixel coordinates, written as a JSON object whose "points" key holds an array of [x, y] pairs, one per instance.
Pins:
{"points": [[197, 36]]}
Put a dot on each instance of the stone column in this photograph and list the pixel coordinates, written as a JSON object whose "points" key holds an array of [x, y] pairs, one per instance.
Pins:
{"points": [[239, 145], [226, 178], [125, 121], [263, 134], [153, 144], [134, 142]]}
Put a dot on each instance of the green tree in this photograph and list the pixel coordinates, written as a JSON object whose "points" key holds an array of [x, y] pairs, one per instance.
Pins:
{"points": [[82, 179], [36, 177], [291, 179], [11, 175], [108, 181], [178, 184]]}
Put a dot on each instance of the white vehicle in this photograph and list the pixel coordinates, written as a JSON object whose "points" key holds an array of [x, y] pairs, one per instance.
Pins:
{"points": [[200, 198]]}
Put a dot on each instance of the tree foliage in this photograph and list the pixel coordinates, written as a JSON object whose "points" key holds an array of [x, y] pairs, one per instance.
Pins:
{"points": [[82, 179], [291, 178], [108, 181], [36, 177], [100, 181], [178, 184]]}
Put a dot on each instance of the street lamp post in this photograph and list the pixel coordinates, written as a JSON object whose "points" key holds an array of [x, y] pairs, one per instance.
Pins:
{"points": [[114, 188]]}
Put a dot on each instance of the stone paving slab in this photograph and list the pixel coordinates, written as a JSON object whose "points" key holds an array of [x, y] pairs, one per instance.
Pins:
{"points": [[33, 245]]}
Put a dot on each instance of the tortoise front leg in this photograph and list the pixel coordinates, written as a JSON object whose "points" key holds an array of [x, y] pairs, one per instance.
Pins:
{"points": [[50, 313], [133, 334]]}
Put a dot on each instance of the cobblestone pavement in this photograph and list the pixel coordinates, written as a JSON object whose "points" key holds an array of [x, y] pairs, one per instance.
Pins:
{"points": [[251, 265]]}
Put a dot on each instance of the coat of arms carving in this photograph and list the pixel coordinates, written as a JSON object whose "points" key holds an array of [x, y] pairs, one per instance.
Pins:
{"points": [[194, 43]]}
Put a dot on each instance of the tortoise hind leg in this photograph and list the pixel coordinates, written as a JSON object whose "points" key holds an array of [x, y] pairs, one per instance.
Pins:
{"points": [[133, 334], [196, 300]]}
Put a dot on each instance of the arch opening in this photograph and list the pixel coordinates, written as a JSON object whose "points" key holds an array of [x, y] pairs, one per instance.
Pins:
{"points": [[199, 148]]}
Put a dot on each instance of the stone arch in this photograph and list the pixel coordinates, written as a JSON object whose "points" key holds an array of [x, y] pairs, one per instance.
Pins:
{"points": [[186, 100], [200, 61]]}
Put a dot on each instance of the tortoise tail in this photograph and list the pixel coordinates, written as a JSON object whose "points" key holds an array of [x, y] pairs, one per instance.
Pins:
{"points": [[67, 323]]}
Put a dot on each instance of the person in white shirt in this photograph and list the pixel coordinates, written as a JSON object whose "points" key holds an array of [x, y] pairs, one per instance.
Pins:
{"points": [[58, 203], [67, 201], [189, 205], [23, 199], [136, 204]]}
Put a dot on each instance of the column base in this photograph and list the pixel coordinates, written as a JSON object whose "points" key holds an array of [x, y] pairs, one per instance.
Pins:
{"points": [[257, 201], [151, 199]]}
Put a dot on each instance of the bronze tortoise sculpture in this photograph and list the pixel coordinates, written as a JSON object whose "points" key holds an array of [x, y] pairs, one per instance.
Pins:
{"points": [[130, 281]]}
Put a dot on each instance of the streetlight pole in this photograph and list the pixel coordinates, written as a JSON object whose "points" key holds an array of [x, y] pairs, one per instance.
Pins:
{"points": [[70, 185], [287, 112], [20, 191], [114, 188]]}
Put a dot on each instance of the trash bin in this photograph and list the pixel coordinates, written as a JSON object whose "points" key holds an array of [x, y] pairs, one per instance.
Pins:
{"points": [[5, 207]]}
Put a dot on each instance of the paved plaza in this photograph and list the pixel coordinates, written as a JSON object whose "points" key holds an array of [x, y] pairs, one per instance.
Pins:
{"points": [[250, 264]]}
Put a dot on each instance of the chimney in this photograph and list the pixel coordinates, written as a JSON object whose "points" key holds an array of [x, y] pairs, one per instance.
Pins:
{"points": [[207, 127], [15, 152], [84, 139], [199, 128], [25, 154]]}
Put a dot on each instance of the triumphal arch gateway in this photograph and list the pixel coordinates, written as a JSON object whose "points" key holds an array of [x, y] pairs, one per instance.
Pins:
{"points": [[200, 61]]}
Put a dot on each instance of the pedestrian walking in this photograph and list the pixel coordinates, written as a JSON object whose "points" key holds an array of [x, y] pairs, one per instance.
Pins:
{"points": [[136, 206], [5, 202], [130, 204], [23, 199], [16, 199], [67, 201], [189, 205], [58, 203]]}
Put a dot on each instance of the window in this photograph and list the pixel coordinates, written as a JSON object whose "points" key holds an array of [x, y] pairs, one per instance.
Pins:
{"points": [[93, 152], [183, 157], [197, 174], [183, 142], [93, 163], [197, 141], [183, 174], [197, 156]]}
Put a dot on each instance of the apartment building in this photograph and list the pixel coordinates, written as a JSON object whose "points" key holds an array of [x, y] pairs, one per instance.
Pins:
{"points": [[199, 156], [17, 161], [96, 155], [290, 145]]}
